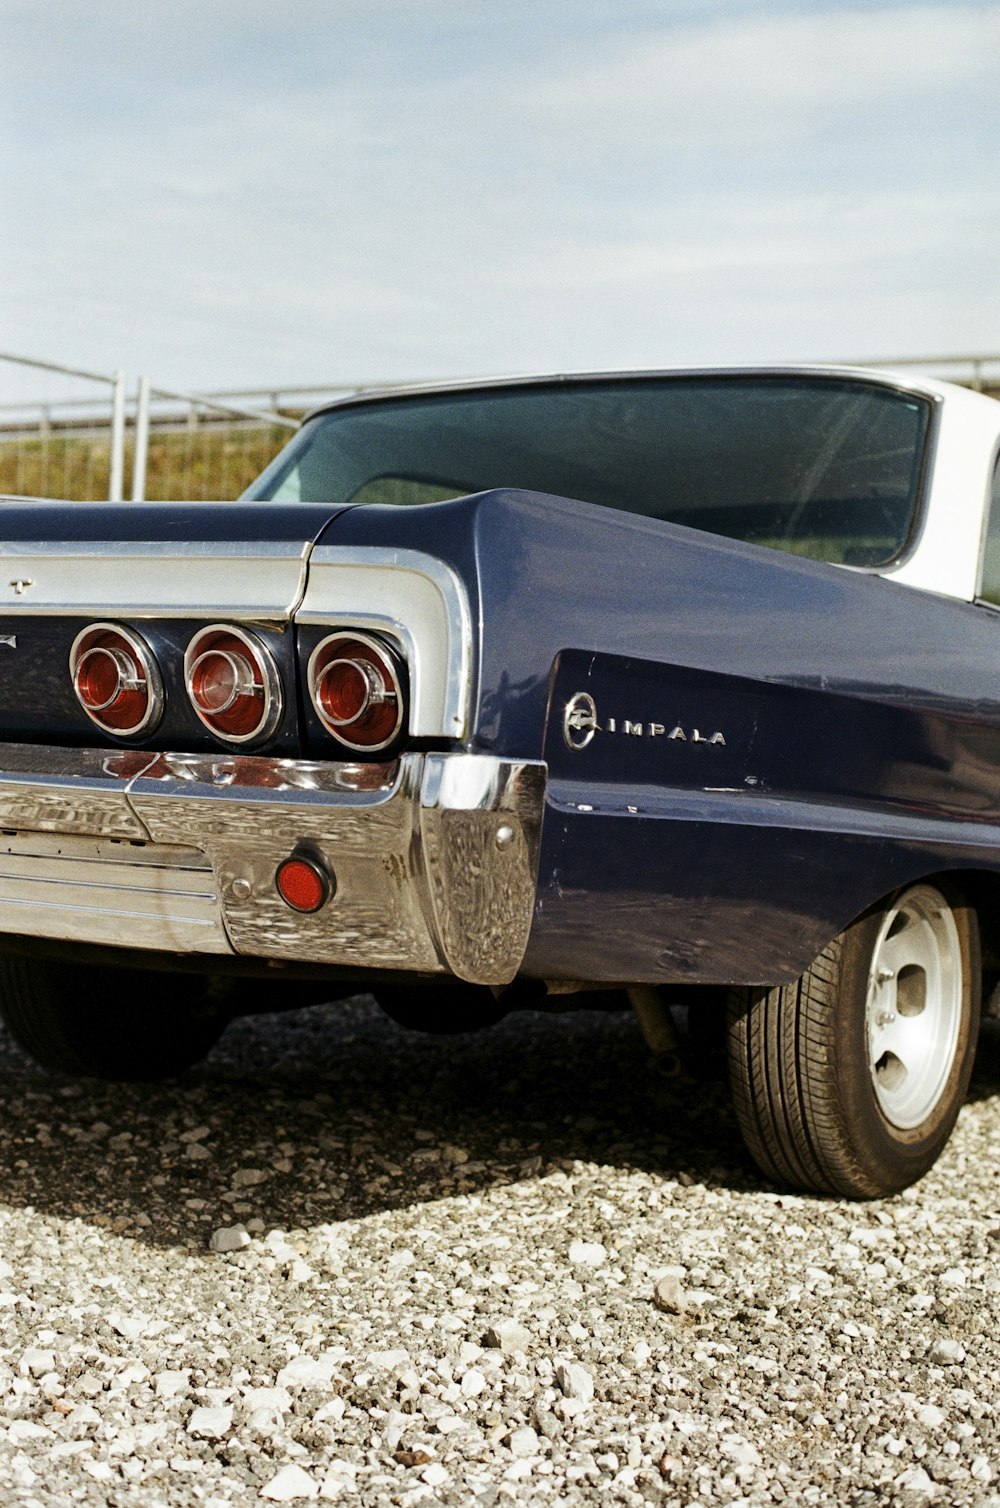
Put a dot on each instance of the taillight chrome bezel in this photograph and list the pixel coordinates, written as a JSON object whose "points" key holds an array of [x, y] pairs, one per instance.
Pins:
{"points": [[137, 688], [239, 651], [379, 665]]}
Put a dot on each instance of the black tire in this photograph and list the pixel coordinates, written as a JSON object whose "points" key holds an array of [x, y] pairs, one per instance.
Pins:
{"points": [[822, 1101], [108, 1023], [443, 1010]]}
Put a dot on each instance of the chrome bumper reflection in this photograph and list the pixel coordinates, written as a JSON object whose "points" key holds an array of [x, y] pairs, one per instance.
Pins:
{"points": [[435, 855]]}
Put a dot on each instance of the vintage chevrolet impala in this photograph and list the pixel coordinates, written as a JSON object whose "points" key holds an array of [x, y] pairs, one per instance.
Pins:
{"points": [[684, 686]]}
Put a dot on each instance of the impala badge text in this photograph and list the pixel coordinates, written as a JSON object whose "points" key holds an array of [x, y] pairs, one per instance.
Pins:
{"points": [[580, 725]]}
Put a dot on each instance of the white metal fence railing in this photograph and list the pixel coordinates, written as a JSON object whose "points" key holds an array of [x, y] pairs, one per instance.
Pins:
{"points": [[199, 447], [67, 433], [981, 373]]}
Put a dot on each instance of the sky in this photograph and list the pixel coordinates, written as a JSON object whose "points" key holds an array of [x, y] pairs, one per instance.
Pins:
{"points": [[228, 194]]}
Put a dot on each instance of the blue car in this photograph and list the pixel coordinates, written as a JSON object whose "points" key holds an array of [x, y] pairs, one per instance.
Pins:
{"points": [[668, 688]]}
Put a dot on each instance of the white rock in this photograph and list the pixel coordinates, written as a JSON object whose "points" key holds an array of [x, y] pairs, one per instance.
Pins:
{"points": [[277, 1399], [473, 1383], [946, 1352], [587, 1254], [394, 1427], [307, 1372], [568, 1408], [169, 1384], [83, 1414], [916, 1480], [229, 1238], [872, 1236], [340, 1479], [265, 1422], [99, 1470], [35, 1362], [336, 1409], [740, 1450], [575, 1381], [930, 1416], [508, 1336], [389, 1361], [216, 1397], [981, 1470], [434, 1475], [20, 1430], [290, 1483], [210, 1423], [131, 1326], [524, 1442], [668, 1294]]}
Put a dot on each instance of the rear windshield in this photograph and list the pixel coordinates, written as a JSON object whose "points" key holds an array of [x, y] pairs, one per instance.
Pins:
{"points": [[824, 467]]}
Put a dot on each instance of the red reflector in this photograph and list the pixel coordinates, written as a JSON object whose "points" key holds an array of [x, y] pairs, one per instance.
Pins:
{"points": [[303, 884]]}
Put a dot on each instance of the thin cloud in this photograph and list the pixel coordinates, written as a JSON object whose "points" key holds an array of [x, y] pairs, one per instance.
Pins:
{"points": [[411, 188]]}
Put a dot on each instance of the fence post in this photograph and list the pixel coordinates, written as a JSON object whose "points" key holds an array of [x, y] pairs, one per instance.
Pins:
{"points": [[116, 480], [141, 441]]}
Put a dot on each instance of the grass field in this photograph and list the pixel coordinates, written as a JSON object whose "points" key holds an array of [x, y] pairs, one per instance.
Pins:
{"points": [[203, 464]]}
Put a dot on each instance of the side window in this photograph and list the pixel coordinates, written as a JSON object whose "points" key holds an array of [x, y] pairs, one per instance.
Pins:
{"points": [[990, 589]]}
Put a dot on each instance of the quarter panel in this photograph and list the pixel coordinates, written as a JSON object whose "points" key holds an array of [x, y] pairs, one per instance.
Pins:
{"points": [[861, 721]]}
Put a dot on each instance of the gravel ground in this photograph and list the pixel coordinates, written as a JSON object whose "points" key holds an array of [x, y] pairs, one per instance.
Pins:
{"points": [[515, 1266]]}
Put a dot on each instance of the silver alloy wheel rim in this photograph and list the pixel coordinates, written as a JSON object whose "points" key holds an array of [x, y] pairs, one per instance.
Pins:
{"points": [[914, 1006]]}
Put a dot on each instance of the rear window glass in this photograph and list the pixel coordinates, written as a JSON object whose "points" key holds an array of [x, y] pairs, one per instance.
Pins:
{"points": [[824, 467]]}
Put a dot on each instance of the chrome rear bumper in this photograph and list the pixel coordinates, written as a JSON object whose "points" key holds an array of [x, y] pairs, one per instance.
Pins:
{"points": [[434, 856]]}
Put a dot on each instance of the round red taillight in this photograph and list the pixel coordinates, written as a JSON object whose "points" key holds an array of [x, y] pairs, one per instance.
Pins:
{"points": [[116, 680], [233, 684], [356, 687], [303, 883]]}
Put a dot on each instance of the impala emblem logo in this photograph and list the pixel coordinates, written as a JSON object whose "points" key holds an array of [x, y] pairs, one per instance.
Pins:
{"points": [[580, 724], [580, 721]]}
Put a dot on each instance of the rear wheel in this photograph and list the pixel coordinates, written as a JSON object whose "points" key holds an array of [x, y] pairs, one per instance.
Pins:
{"points": [[108, 1023], [849, 1081]]}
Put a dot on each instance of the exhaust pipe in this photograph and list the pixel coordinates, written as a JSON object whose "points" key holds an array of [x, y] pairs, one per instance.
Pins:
{"points": [[657, 1025]]}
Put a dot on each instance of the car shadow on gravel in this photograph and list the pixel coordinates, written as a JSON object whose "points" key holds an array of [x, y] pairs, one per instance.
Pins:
{"points": [[986, 1070], [335, 1113]]}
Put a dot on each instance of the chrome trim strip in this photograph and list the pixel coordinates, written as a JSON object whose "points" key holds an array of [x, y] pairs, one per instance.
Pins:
{"points": [[421, 603], [887, 375], [98, 890], [68, 791], [434, 855], [150, 579]]}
